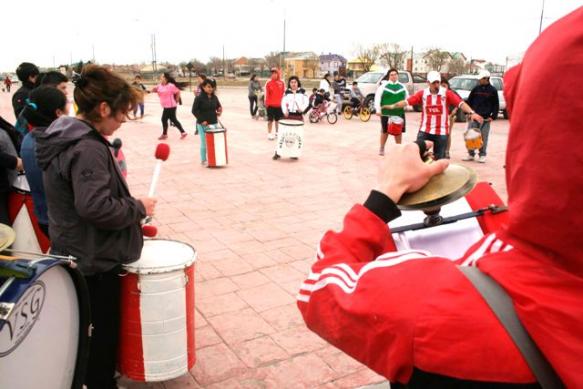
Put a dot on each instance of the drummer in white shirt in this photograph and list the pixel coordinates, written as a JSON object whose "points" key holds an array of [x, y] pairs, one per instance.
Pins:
{"points": [[294, 102]]}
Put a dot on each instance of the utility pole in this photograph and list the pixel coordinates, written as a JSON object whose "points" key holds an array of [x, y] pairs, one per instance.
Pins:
{"points": [[281, 57], [93, 49], [154, 60], [411, 65], [540, 27], [224, 69]]}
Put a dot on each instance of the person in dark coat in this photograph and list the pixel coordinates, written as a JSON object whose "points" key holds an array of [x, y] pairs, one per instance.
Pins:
{"points": [[92, 215]]}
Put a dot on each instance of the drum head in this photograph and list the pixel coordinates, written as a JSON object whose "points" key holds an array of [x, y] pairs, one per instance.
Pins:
{"points": [[162, 256], [291, 122], [39, 340]]}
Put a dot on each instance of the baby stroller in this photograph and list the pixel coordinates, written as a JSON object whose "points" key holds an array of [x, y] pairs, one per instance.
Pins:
{"points": [[323, 108], [261, 110]]}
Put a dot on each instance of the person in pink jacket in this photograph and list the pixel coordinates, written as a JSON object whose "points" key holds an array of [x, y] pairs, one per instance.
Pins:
{"points": [[169, 93], [414, 317]]}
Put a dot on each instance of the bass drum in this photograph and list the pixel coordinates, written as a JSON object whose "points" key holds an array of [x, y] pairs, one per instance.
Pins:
{"points": [[44, 325]]}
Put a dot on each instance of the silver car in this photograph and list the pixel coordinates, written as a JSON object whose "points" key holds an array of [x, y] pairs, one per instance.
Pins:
{"points": [[464, 84]]}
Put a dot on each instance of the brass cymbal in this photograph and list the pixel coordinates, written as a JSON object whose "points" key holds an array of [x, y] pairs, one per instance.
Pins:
{"points": [[7, 236], [453, 183]]}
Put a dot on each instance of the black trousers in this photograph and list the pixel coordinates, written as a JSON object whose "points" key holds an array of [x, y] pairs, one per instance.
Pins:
{"points": [[4, 219], [253, 107], [170, 114], [104, 296]]}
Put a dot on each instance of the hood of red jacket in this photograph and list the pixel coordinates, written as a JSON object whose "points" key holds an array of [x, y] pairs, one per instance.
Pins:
{"points": [[544, 162]]}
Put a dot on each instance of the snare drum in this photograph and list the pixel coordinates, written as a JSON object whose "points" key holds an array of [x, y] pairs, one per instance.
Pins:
{"points": [[473, 139], [157, 313], [29, 236], [395, 125], [44, 325], [290, 138]]}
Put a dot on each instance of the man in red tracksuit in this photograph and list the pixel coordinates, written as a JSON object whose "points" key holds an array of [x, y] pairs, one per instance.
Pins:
{"points": [[274, 90], [415, 318]]}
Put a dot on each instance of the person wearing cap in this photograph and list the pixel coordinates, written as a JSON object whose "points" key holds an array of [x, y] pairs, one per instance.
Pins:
{"points": [[274, 90], [484, 99], [434, 116]]}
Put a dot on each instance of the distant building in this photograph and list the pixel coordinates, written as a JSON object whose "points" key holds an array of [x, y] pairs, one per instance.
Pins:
{"points": [[303, 65], [330, 63], [241, 67]]}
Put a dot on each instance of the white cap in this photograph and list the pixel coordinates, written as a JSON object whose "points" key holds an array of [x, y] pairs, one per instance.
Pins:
{"points": [[433, 76], [483, 74]]}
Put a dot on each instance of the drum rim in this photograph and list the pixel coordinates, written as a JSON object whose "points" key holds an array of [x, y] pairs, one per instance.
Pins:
{"points": [[161, 269], [294, 122]]}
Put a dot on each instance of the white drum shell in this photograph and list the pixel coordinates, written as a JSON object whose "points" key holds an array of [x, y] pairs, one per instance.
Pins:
{"points": [[290, 138]]}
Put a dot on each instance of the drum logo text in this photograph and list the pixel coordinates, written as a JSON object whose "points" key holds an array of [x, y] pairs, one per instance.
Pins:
{"points": [[22, 318]]}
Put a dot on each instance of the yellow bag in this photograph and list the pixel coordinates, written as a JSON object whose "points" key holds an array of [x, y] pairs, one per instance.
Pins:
{"points": [[473, 139]]}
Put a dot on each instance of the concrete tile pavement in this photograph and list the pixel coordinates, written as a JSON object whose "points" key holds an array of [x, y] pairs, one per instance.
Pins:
{"points": [[255, 225]]}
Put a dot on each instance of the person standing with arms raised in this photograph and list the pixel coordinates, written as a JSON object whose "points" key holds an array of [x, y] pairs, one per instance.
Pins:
{"points": [[274, 90]]}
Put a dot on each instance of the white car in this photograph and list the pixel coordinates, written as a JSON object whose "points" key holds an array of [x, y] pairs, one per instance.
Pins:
{"points": [[369, 82], [464, 84]]}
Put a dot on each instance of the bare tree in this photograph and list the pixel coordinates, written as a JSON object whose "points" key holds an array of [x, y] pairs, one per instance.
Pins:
{"points": [[436, 58], [197, 66], [458, 66], [273, 59], [367, 55], [215, 64], [391, 54]]}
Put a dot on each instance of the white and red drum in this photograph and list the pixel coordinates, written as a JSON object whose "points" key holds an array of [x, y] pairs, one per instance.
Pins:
{"points": [[451, 240], [44, 324], [216, 146], [157, 313], [396, 124], [290, 138], [29, 236]]}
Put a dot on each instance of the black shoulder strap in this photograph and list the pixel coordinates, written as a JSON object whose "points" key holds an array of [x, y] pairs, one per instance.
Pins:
{"points": [[501, 304]]}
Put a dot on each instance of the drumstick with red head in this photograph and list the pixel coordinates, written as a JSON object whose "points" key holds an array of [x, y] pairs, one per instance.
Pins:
{"points": [[161, 154]]}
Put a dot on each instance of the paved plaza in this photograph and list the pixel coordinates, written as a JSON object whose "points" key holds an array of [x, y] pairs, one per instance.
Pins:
{"points": [[255, 225]]}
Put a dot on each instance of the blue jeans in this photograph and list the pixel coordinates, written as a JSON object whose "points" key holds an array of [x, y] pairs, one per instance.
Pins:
{"points": [[201, 131], [439, 143], [485, 131]]}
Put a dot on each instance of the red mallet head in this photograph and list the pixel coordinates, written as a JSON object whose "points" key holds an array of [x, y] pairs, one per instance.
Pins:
{"points": [[149, 230], [162, 151]]}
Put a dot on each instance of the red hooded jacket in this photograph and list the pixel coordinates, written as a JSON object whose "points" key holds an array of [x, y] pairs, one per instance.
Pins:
{"points": [[399, 310]]}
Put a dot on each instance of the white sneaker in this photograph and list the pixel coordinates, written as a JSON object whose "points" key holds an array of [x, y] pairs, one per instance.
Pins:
{"points": [[271, 137], [468, 158], [482, 159]]}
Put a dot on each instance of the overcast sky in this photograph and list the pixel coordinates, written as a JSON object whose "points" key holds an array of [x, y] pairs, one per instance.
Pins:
{"points": [[119, 31]]}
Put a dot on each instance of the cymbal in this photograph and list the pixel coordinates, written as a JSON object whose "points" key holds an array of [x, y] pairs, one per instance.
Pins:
{"points": [[444, 188], [7, 236]]}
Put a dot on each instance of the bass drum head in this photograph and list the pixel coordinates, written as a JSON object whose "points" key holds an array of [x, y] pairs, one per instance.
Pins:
{"points": [[39, 340]]}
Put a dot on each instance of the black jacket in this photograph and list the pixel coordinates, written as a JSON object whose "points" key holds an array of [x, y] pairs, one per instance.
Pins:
{"points": [[484, 100], [20, 96], [92, 215], [205, 108]]}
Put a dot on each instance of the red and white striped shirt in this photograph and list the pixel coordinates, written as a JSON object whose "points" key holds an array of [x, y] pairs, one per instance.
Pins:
{"points": [[434, 116]]}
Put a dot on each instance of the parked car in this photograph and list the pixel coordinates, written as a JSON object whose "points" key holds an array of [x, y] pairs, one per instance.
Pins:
{"points": [[369, 83], [464, 84]]}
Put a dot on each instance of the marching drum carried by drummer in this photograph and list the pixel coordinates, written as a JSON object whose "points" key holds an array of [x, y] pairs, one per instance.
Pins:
{"points": [[290, 134]]}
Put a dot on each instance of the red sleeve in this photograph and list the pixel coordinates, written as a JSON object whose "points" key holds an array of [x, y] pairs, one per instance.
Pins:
{"points": [[452, 99], [365, 307], [416, 99]]}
